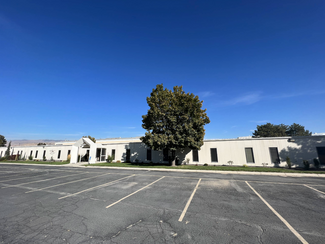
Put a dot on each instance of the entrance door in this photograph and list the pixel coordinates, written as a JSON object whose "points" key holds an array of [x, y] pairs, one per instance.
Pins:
{"points": [[321, 154]]}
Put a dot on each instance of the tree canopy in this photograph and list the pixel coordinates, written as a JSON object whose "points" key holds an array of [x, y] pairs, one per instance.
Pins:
{"points": [[175, 120], [271, 130], [3, 141]]}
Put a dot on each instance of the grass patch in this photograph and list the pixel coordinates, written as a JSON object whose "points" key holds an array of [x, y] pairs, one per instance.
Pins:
{"points": [[216, 168], [37, 162]]}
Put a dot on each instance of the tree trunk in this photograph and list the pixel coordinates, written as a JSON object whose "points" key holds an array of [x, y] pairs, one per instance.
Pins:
{"points": [[173, 159]]}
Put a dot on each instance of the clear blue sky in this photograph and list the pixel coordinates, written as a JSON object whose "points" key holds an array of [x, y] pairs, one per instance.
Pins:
{"points": [[74, 68]]}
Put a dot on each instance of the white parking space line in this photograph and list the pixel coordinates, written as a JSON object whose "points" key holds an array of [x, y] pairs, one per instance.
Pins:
{"points": [[96, 187], [315, 189], [44, 180], [27, 177], [135, 192], [189, 202], [67, 183], [279, 216], [14, 174]]}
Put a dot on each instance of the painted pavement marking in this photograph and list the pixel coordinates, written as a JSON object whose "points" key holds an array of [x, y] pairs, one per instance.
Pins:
{"points": [[279, 216], [135, 192], [23, 178], [189, 202], [67, 183], [96, 187], [43, 180], [315, 189]]}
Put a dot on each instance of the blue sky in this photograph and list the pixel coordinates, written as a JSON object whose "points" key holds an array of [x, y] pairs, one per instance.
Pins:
{"points": [[74, 68]]}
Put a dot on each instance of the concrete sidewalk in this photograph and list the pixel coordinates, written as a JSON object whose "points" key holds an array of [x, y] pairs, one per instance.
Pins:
{"points": [[83, 165]]}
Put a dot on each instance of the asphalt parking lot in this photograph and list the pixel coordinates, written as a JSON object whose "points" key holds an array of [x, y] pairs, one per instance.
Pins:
{"points": [[62, 204]]}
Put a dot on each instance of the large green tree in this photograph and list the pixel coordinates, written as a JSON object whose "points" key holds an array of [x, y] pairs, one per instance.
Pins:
{"points": [[3, 141], [175, 120], [297, 130], [271, 130]]}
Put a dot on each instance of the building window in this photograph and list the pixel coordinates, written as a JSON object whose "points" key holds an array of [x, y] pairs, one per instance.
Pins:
{"points": [[36, 154], [69, 151], [113, 154], [31, 153], [214, 155], [321, 154], [128, 154], [249, 155], [274, 155], [165, 154], [149, 154], [44, 154], [195, 155], [59, 154]]}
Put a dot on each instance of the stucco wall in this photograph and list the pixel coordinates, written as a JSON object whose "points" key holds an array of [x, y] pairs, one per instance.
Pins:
{"points": [[302, 148]]}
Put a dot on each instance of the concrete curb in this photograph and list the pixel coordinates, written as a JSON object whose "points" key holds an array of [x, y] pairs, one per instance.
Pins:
{"points": [[183, 170]]}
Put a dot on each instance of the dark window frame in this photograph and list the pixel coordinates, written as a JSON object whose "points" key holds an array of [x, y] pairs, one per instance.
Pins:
{"points": [[277, 159], [149, 154], [214, 159], [128, 154], [253, 158], [59, 154], [195, 155], [113, 154]]}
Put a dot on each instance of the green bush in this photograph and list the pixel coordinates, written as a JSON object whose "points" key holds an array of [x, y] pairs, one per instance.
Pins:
{"points": [[289, 164], [245, 165], [30, 158], [109, 159], [205, 165], [306, 164], [316, 163], [118, 161]]}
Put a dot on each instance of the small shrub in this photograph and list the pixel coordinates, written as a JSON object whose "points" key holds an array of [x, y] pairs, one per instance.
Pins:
{"points": [[136, 160], [316, 163], [118, 161], [205, 165], [109, 159], [52, 159], [187, 161], [196, 165], [151, 163], [245, 166], [289, 164], [69, 158], [230, 162], [306, 164], [30, 158]]}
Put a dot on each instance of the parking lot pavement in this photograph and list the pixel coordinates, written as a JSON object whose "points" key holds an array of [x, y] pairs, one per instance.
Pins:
{"points": [[74, 205]]}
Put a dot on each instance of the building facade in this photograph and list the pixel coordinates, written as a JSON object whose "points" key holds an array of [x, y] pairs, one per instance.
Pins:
{"points": [[270, 151]]}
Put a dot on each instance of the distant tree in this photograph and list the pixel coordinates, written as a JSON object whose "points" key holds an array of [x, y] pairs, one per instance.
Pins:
{"points": [[7, 153], [41, 144], [3, 141], [297, 130], [270, 130], [91, 138], [175, 120]]}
